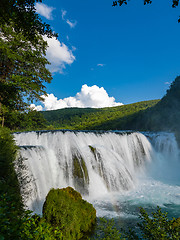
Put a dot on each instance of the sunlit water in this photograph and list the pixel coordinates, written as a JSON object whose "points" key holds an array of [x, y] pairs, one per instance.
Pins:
{"points": [[125, 171]]}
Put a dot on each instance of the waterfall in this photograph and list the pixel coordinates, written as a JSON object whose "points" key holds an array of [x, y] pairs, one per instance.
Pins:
{"points": [[93, 163]]}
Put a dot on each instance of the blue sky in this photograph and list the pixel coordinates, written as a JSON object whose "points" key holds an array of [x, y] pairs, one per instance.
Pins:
{"points": [[131, 51]]}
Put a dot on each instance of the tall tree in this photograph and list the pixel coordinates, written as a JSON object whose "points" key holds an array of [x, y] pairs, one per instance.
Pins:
{"points": [[23, 63], [23, 68]]}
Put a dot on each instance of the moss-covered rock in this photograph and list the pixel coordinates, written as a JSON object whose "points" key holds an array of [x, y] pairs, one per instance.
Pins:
{"points": [[65, 209]]}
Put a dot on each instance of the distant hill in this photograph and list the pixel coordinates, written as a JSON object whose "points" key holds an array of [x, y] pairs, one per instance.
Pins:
{"points": [[110, 118]]}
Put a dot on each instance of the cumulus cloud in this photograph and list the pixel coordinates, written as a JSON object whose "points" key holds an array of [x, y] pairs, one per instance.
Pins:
{"points": [[94, 97], [44, 10], [58, 54]]}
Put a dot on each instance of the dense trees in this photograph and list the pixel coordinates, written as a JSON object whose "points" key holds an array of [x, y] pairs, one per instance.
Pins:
{"points": [[96, 119]]}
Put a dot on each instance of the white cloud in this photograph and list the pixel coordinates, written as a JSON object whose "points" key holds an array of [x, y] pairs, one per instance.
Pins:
{"points": [[93, 97], [100, 65], [34, 107], [58, 54], [72, 24], [44, 10], [167, 83], [63, 13]]}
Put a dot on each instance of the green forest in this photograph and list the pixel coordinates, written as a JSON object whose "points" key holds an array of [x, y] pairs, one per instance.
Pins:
{"points": [[111, 118]]}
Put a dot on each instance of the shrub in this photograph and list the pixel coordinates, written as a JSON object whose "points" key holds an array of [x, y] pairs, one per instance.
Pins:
{"points": [[156, 226], [10, 198]]}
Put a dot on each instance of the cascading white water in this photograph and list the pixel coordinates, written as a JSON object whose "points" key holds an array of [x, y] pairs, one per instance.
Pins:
{"points": [[91, 162]]}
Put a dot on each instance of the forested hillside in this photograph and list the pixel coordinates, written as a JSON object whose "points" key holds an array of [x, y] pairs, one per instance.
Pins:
{"points": [[96, 119], [165, 115]]}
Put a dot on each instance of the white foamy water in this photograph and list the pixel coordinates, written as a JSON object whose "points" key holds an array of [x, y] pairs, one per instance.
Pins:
{"points": [[115, 171]]}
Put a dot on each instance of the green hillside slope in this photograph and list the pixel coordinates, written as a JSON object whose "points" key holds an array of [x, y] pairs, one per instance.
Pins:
{"points": [[165, 115], [96, 119]]}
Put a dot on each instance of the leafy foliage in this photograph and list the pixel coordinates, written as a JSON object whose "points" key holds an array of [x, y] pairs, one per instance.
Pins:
{"points": [[23, 15], [23, 68], [22, 55], [106, 230], [8, 151], [65, 209], [156, 226], [10, 198], [24, 121]]}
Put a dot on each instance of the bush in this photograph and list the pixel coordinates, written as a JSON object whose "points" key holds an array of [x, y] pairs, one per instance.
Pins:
{"points": [[10, 198], [156, 226], [8, 151], [65, 209]]}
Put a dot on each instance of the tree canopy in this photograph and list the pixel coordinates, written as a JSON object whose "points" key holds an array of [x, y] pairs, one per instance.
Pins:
{"points": [[23, 65], [24, 17]]}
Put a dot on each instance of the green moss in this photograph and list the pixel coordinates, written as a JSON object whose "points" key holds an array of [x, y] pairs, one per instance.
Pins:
{"points": [[93, 150], [85, 171], [77, 170], [65, 209], [80, 174]]}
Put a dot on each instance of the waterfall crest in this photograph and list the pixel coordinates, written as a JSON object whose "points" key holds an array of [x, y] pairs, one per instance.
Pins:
{"points": [[91, 162]]}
